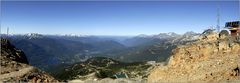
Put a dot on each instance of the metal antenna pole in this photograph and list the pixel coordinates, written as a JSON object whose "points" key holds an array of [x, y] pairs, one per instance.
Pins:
{"points": [[218, 19], [7, 31], [239, 13]]}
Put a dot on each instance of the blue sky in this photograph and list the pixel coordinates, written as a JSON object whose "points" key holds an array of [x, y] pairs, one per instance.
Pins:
{"points": [[114, 17]]}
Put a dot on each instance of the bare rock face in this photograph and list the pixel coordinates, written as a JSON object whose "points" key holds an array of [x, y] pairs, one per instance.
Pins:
{"points": [[15, 68], [11, 58], [210, 59], [10, 53]]}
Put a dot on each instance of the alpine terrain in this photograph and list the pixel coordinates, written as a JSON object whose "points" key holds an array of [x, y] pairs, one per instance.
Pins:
{"points": [[212, 58], [15, 67]]}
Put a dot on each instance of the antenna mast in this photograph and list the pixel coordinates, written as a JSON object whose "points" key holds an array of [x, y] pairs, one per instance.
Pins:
{"points": [[218, 19], [7, 31]]}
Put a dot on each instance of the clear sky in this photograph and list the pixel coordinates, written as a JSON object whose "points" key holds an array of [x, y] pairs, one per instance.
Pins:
{"points": [[114, 17]]}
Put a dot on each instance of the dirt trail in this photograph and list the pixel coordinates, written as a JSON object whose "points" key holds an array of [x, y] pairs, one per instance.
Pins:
{"points": [[14, 74]]}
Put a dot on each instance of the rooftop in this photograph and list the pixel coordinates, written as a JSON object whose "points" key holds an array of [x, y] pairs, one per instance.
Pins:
{"points": [[233, 24]]}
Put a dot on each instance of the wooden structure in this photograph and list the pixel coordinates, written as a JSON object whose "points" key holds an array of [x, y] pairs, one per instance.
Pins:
{"points": [[234, 28]]}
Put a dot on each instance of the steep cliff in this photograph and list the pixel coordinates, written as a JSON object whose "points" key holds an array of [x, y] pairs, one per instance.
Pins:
{"points": [[15, 68], [212, 58]]}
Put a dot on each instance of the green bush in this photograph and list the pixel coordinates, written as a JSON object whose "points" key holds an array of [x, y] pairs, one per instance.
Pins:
{"points": [[105, 74]]}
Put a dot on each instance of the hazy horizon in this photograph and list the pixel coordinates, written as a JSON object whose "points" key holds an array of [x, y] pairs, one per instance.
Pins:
{"points": [[4, 33], [116, 18]]}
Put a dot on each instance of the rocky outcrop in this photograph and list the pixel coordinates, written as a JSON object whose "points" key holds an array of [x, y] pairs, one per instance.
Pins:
{"points": [[15, 68], [11, 53], [209, 59]]}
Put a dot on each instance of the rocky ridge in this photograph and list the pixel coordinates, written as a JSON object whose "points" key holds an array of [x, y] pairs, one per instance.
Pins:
{"points": [[212, 58], [15, 67]]}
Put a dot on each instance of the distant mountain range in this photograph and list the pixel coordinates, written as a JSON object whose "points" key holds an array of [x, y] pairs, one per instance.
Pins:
{"points": [[45, 50], [155, 47]]}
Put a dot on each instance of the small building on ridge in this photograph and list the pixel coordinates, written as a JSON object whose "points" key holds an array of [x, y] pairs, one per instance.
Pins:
{"points": [[234, 28]]}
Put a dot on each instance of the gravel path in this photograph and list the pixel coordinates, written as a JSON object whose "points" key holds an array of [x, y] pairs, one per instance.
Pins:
{"points": [[14, 74]]}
